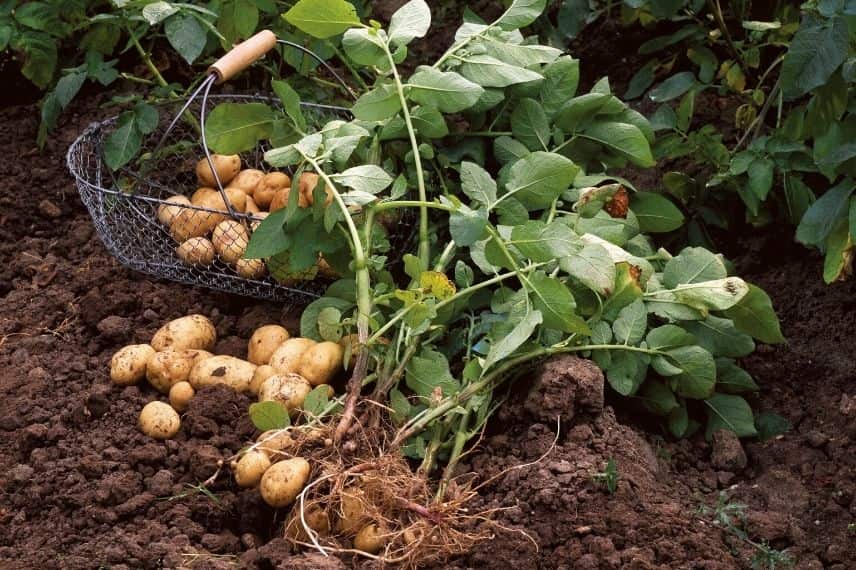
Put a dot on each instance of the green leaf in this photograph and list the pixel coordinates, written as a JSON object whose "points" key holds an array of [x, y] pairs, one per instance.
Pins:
{"points": [[529, 124], [478, 184], [755, 316], [542, 242], [632, 322], [409, 22], [123, 143], [365, 47], [556, 303], [366, 178], [539, 178], [446, 91], [657, 398], [186, 36], [310, 316], [237, 127], [506, 149], [428, 371], [726, 411], [316, 401], [592, 266], [656, 214], [40, 56], [155, 12], [627, 371], [668, 336], [627, 140], [322, 18], [269, 415], [488, 71], [466, 225], [238, 19], [822, 216], [561, 79], [693, 265], [520, 14], [429, 122], [641, 80], [513, 340], [579, 109], [798, 198], [815, 52], [626, 291], [721, 337], [678, 420], [378, 104], [716, 295], [269, 238], [838, 261], [330, 324], [685, 111], [732, 379], [699, 371], [290, 102], [673, 87], [770, 425]]}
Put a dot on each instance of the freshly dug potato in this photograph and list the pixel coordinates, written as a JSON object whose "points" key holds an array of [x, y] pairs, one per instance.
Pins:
{"points": [[274, 443], [288, 354], [321, 362], [251, 268], [226, 167], [280, 200], [250, 468], [128, 366], [193, 223], [196, 251], [306, 187], [283, 481], [370, 539], [167, 213], [180, 395], [315, 518], [192, 331], [230, 239], [222, 369], [288, 389], [251, 206], [247, 180], [261, 374], [159, 420], [268, 186], [200, 195], [265, 340], [352, 516], [167, 368], [214, 200]]}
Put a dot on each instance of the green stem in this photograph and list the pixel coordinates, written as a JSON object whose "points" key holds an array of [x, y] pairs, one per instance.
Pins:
{"points": [[716, 8], [144, 55], [412, 204], [360, 81], [462, 434], [486, 134]]}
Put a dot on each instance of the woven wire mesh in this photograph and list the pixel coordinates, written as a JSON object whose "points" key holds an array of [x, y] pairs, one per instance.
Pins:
{"points": [[125, 208]]}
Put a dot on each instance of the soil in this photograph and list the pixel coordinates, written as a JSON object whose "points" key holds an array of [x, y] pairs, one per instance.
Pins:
{"points": [[80, 487]]}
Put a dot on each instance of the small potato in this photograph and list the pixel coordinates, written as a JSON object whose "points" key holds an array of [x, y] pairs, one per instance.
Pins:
{"points": [[288, 354], [167, 368], [321, 362], [306, 187], [193, 223], [180, 395], [226, 167], [288, 389], [370, 539], [230, 239], [222, 369], [265, 340], [251, 268], [352, 516], [192, 331], [196, 251], [214, 200], [128, 366], [261, 374], [280, 200], [268, 186], [283, 481], [315, 518], [247, 180], [275, 443], [250, 468], [159, 420], [251, 206], [166, 214]]}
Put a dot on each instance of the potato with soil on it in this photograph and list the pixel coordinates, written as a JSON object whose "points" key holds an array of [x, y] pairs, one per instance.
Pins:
{"points": [[230, 239], [268, 186], [180, 395], [286, 357], [264, 341], [250, 468], [159, 420], [169, 367], [192, 331], [370, 539], [290, 390], [226, 167], [316, 519], [275, 443], [197, 251], [321, 362], [247, 180], [128, 365], [352, 511], [283, 481], [168, 212], [222, 369], [251, 268]]}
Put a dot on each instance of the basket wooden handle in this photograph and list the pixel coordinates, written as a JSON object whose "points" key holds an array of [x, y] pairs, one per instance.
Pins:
{"points": [[243, 55]]}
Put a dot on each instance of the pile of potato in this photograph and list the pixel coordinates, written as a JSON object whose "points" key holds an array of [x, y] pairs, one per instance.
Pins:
{"points": [[202, 235]]}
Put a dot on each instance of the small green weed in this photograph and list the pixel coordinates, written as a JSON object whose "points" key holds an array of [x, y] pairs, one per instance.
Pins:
{"points": [[608, 477]]}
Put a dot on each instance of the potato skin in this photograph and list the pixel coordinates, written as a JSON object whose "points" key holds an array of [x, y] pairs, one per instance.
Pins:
{"points": [[250, 468], [321, 362], [247, 180], [192, 331], [290, 390], [351, 506], [196, 251], [128, 365], [306, 187], [262, 373], [315, 518], [280, 200], [167, 213], [222, 369], [226, 166], [251, 268], [167, 368], [159, 420], [251, 206], [272, 182], [286, 357], [230, 239], [370, 539], [265, 340], [274, 443], [283, 481], [180, 395]]}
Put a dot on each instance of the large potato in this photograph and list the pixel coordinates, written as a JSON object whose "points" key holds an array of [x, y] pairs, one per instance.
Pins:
{"points": [[230, 239], [251, 268], [168, 212], [222, 369], [280, 200], [283, 481], [196, 251], [192, 331], [247, 180], [272, 182], [169, 367], [250, 468], [226, 167], [200, 195], [214, 200], [159, 420], [306, 187], [128, 366], [265, 340], [321, 362], [287, 355], [290, 390]]}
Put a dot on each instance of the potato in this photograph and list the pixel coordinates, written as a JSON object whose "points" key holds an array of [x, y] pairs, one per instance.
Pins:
{"points": [[167, 368], [226, 167], [193, 223], [222, 369], [251, 206], [287, 355], [261, 374], [250, 468], [274, 443], [264, 342], [283, 481], [159, 420], [180, 395], [200, 195], [214, 200], [251, 268], [268, 186], [196, 251], [315, 518], [230, 239], [166, 214], [247, 180], [257, 220], [128, 366], [370, 539], [192, 331], [306, 187], [321, 362], [288, 389], [352, 514], [280, 200]]}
